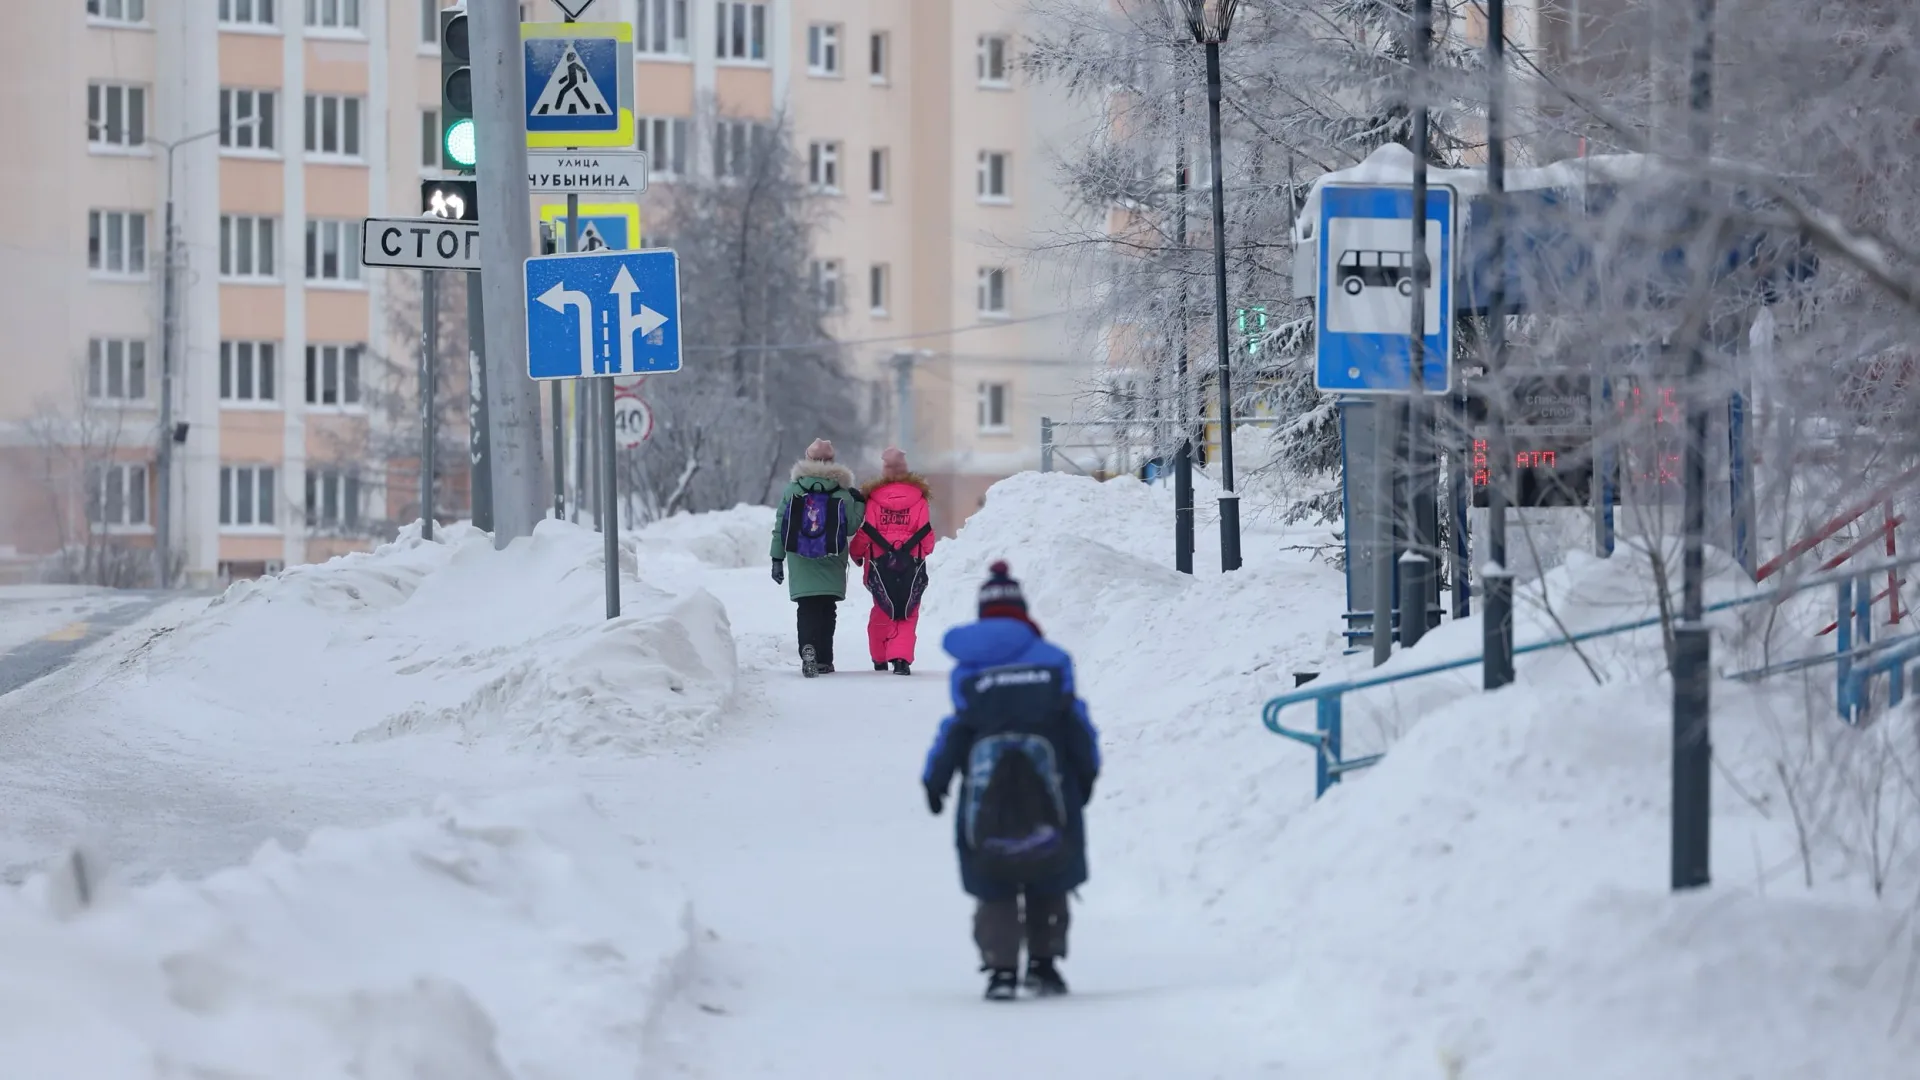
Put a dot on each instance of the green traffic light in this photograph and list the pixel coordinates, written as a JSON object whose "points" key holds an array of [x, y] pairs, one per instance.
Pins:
{"points": [[460, 143]]}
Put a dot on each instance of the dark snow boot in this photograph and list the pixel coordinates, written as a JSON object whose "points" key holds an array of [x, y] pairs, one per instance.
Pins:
{"points": [[901, 667], [1044, 979], [879, 665], [808, 665], [823, 669], [1003, 984]]}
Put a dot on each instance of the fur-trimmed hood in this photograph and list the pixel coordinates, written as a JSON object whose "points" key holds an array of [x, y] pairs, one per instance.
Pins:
{"points": [[822, 470], [911, 480]]}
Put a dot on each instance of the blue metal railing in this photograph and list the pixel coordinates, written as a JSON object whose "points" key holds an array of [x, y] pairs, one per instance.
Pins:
{"points": [[1855, 618]]}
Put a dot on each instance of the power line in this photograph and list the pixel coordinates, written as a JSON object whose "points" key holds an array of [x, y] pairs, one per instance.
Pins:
{"points": [[815, 346]]}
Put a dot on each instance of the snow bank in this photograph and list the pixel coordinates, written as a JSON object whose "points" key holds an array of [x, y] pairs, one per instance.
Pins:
{"points": [[721, 539], [518, 938], [453, 635]]}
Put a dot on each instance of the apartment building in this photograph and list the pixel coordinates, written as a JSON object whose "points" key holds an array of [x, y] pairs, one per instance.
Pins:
{"points": [[271, 127]]}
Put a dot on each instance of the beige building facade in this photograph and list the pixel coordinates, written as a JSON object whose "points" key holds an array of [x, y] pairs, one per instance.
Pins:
{"points": [[282, 123]]}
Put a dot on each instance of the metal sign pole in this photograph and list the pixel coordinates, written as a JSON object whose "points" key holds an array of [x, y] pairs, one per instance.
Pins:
{"points": [[429, 384], [609, 500], [1416, 568]]}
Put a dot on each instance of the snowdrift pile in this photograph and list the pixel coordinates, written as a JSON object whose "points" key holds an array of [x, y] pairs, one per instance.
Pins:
{"points": [[453, 635], [720, 539], [517, 938]]}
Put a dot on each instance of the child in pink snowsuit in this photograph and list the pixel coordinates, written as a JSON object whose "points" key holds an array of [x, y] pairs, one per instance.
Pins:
{"points": [[893, 546]]}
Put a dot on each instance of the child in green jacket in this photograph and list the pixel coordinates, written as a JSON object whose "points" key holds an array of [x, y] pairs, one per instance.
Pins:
{"points": [[819, 511]]}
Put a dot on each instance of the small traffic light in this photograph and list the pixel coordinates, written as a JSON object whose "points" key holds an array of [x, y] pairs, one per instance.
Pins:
{"points": [[452, 200], [457, 144], [1252, 324]]}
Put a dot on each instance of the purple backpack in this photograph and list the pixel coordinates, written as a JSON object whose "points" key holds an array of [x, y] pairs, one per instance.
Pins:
{"points": [[814, 525]]}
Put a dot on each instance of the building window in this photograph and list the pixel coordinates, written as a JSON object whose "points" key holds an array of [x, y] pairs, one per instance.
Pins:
{"points": [[877, 67], [661, 28], [823, 165], [116, 115], [117, 242], [246, 495], [990, 60], [246, 247], [826, 283], [877, 287], [430, 138], [993, 290], [430, 24], [333, 375], [742, 30], [248, 370], [117, 369], [117, 495], [246, 119], [823, 49], [333, 250], [733, 142], [664, 138], [333, 499], [990, 177], [117, 11], [877, 173], [247, 12], [993, 406], [333, 125], [333, 14]]}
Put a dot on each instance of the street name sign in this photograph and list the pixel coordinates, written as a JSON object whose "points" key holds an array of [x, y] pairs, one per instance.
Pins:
{"points": [[585, 172], [603, 313], [1363, 313], [420, 243]]}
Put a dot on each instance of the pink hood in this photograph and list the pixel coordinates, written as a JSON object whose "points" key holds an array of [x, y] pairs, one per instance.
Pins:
{"points": [[896, 509]]}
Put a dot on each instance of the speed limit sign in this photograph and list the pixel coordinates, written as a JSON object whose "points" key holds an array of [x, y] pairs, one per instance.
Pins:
{"points": [[632, 422]]}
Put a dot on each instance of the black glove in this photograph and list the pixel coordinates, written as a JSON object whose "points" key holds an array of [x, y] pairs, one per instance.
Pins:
{"points": [[935, 797], [779, 572]]}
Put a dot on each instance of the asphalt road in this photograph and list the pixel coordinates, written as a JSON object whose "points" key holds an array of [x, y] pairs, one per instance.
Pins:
{"points": [[52, 651]]}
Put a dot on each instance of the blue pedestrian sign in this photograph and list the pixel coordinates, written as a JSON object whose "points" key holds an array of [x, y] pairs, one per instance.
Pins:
{"points": [[579, 84], [603, 313], [1363, 311]]}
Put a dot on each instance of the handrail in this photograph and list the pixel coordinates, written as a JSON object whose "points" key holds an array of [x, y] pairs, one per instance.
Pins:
{"points": [[1855, 701], [1330, 766], [1839, 521]]}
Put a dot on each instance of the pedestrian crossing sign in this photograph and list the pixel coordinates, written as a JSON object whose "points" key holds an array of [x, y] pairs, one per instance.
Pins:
{"points": [[603, 226], [579, 85]]}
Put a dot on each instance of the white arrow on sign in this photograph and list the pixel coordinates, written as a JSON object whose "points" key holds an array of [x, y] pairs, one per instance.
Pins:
{"points": [[559, 298], [646, 320]]}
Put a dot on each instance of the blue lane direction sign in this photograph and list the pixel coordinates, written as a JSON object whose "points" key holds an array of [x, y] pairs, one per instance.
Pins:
{"points": [[1363, 316], [603, 313]]}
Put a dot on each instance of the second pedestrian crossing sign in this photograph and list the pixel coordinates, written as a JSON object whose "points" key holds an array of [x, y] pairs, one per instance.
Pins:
{"points": [[579, 84]]}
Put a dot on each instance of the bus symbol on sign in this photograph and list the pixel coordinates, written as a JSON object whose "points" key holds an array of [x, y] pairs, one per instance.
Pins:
{"points": [[1377, 270]]}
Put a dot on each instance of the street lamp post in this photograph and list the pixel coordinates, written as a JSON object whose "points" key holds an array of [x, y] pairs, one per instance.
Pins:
{"points": [[1210, 21], [169, 319]]}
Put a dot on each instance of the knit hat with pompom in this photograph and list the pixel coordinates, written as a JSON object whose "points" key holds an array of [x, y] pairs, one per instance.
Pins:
{"points": [[1000, 597]]}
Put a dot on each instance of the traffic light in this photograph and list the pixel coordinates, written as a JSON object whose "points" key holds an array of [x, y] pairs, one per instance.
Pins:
{"points": [[457, 143], [1252, 324]]}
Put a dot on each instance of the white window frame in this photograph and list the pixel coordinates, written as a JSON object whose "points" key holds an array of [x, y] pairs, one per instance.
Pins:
{"points": [[669, 161], [430, 140], [128, 484], [345, 363], [879, 174], [249, 241], [128, 101], [129, 260], [735, 140], [344, 489], [992, 407], [990, 59], [991, 178], [662, 29], [430, 27], [255, 488], [879, 289], [823, 166], [252, 366], [991, 292], [338, 238], [741, 30], [117, 363], [256, 16], [255, 124], [346, 18], [829, 285], [879, 58], [117, 12], [350, 123], [825, 50]]}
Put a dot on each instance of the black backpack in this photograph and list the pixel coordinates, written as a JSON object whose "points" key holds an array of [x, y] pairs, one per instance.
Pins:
{"points": [[1016, 816], [894, 576]]}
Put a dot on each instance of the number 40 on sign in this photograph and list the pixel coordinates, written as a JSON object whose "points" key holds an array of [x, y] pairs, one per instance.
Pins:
{"points": [[632, 416]]}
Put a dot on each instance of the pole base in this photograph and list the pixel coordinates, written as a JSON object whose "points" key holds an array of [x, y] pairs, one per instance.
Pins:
{"points": [[1497, 624], [1692, 755], [1229, 533], [1414, 570]]}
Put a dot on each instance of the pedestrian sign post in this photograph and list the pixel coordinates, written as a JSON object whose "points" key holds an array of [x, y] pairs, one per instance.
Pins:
{"points": [[1364, 309], [603, 226], [605, 313], [579, 84]]}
